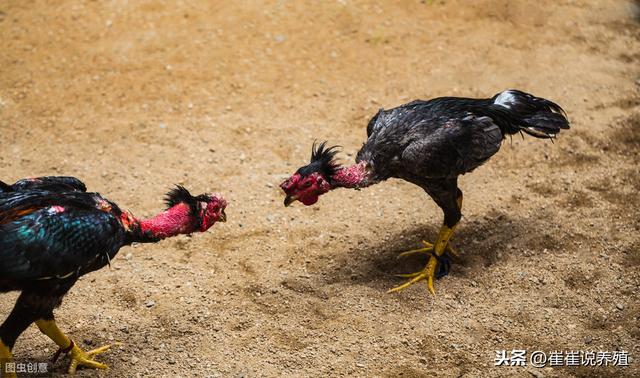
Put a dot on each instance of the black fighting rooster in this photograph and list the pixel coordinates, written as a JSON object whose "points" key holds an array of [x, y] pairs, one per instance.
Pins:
{"points": [[52, 232], [429, 143]]}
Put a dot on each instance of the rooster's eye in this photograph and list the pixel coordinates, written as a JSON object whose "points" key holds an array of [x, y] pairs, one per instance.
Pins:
{"points": [[306, 184]]}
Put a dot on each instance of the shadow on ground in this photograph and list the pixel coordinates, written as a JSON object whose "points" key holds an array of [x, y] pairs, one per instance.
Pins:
{"points": [[481, 244]]}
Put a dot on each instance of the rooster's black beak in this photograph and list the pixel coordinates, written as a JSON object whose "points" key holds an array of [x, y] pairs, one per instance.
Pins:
{"points": [[223, 217], [288, 200]]}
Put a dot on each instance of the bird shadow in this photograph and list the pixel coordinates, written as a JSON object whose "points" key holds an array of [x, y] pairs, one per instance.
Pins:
{"points": [[480, 244]]}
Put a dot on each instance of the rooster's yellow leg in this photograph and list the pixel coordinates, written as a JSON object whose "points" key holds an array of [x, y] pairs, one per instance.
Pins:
{"points": [[66, 345], [428, 247], [429, 271], [6, 357]]}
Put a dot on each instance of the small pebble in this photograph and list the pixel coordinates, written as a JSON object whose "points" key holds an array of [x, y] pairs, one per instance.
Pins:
{"points": [[536, 373]]}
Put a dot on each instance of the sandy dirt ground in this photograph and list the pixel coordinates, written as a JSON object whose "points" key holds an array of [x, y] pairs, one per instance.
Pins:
{"points": [[134, 96]]}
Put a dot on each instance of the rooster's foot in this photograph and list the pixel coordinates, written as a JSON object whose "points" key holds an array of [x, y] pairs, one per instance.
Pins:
{"points": [[67, 346], [438, 264], [441, 263], [81, 358]]}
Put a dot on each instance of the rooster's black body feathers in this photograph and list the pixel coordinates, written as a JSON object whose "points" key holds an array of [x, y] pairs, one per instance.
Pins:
{"points": [[47, 236], [48, 183], [448, 136], [62, 241], [430, 143]]}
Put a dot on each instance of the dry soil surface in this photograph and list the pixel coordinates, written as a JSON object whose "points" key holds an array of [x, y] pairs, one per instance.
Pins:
{"points": [[134, 96]]}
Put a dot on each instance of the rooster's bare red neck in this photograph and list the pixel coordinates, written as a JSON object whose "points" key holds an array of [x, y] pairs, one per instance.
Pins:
{"points": [[355, 176], [174, 221]]}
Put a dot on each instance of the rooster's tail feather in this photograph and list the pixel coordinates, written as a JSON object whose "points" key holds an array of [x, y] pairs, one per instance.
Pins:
{"points": [[535, 116]]}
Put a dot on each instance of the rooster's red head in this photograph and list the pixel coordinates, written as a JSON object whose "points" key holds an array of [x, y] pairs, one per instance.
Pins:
{"points": [[314, 179], [204, 209]]}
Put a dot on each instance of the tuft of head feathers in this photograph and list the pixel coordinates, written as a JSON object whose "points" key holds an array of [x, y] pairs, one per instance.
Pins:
{"points": [[178, 195], [322, 161]]}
